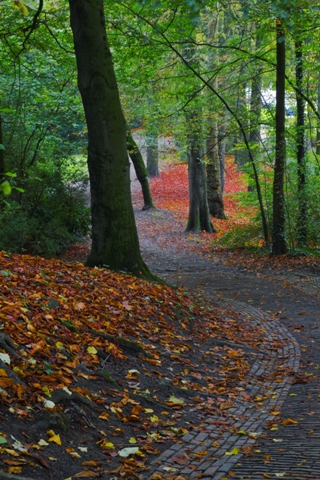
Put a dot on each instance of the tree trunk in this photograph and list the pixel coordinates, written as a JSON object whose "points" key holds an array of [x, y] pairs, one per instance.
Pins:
{"points": [[222, 150], [301, 150], [279, 244], [140, 169], [152, 152], [215, 199], [199, 215], [115, 241], [2, 165], [318, 122], [214, 190], [241, 155], [255, 109]]}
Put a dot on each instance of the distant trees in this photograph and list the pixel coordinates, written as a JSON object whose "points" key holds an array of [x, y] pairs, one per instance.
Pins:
{"points": [[222, 92]]}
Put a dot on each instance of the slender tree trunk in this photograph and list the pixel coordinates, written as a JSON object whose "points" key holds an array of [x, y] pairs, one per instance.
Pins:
{"points": [[114, 236], [140, 169], [2, 165], [255, 109], [199, 215], [318, 122], [152, 152], [301, 150], [279, 244], [214, 190], [222, 150], [215, 198], [241, 155]]}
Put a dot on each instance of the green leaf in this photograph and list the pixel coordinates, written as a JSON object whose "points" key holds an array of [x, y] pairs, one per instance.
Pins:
{"points": [[10, 174], [21, 190], [1, 146], [2, 440], [5, 188]]}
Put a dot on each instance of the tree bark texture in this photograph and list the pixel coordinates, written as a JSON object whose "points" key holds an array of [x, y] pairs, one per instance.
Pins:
{"points": [[214, 191], [279, 244], [2, 165], [255, 108], [114, 236], [152, 154], [140, 169], [301, 150], [318, 122], [199, 215]]}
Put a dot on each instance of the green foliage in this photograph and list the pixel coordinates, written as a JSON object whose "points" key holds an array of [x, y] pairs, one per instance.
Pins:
{"points": [[46, 220]]}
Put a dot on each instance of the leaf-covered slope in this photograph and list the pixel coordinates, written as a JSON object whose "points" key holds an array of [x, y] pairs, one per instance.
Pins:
{"points": [[103, 362]]}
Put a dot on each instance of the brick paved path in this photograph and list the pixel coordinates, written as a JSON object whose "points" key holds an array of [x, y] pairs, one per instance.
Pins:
{"points": [[292, 451]]}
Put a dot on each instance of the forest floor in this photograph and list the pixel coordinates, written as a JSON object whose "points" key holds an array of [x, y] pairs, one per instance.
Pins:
{"points": [[113, 377]]}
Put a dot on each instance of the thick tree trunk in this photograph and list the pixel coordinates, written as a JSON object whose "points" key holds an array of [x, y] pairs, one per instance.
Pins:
{"points": [[214, 191], [301, 150], [114, 236], [199, 215], [279, 244], [140, 169]]}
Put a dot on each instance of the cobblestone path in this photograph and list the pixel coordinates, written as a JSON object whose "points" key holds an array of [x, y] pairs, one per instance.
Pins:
{"points": [[289, 450]]}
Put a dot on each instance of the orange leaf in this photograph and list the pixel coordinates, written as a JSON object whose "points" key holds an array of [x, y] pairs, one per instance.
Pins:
{"points": [[289, 421], [87, 474]]}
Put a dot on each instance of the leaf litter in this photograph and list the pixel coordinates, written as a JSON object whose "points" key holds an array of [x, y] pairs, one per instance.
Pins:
{"points": [[100, 372], [101, 360]]}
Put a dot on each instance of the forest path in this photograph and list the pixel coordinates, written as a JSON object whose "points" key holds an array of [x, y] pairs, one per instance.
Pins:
{"points": [[291, 449]]}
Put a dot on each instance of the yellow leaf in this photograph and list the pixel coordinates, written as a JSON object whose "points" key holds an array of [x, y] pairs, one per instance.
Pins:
{"points": [[132, 440], [46, 391], [43, 443], [108, 445], [15, 470], [234, 451], [104, 416], [92, 350], [23, 9], [75, 454], [55, 438], [11, 452]]}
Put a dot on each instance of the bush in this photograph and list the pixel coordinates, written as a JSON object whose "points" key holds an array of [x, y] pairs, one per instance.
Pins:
{"points": [[46, 220]]}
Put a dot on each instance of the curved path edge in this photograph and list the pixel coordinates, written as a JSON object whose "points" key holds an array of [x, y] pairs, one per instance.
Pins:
{"points": [[211, 451]]}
